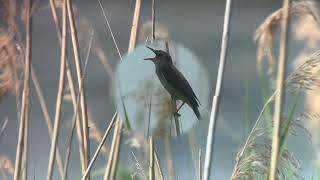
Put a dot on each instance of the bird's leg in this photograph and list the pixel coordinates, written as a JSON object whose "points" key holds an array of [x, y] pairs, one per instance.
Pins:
{"points": [[180, 106], [177, 112]]}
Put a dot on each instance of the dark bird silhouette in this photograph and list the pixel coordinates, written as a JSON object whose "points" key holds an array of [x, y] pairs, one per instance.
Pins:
{"points": [[173, 81]]}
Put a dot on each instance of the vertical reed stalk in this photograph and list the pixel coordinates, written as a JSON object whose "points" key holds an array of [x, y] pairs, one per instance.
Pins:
{"points": [[113, 155], [71, 86], [149, 113], [26, 89], [77, 115], [177, 123], [83, 104], [216, 97], [74, 119], [199, 164], [151, 159], [46, 115], [158, 166], [151, 145], [26, 147], [59, 94], [3, 127], [134, 27], [280, 98], [78, 123], [113, 149], [115, 159]]}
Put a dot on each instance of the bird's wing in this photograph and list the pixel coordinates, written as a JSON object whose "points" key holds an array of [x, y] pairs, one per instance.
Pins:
{"points": [[173, 76]]}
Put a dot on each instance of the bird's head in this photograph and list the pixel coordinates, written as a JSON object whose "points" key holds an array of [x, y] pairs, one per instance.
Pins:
{"points": [[161, 57]]}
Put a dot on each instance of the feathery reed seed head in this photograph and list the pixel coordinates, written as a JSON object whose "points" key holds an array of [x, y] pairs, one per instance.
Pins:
{"points": [[10, 54], [6, 164], [161, 31], [266, 32]]}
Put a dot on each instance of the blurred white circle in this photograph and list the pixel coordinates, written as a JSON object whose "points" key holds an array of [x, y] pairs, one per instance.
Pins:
{"points": [[143, 103]]}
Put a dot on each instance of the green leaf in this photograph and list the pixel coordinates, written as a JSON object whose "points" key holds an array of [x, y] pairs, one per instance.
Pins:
{"points": [[126, 117], [288, 123]]}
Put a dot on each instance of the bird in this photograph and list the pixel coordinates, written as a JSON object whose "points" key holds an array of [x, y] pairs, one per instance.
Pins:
{"points": [[174, 81]]}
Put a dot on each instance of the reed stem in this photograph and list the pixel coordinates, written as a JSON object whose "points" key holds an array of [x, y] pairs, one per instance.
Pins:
{"points": [[134, 27], [83, 104], [25, 93], [46, 115], [151, 158], [71, 86], [100, 146], [280, 98], [59, 94], [216, 97]]}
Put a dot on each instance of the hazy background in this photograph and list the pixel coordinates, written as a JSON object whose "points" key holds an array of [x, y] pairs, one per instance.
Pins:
{"points": [[195, 24]]}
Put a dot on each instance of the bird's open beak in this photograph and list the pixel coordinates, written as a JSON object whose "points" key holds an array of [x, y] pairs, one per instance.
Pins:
{"points": [[154, 51], [151, 49]]}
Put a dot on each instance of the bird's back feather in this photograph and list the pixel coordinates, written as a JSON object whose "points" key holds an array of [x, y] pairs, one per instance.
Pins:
{"points": [[177, 85]]}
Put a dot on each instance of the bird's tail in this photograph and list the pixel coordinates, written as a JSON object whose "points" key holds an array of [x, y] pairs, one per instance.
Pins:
{"points": [[196, 112]]}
